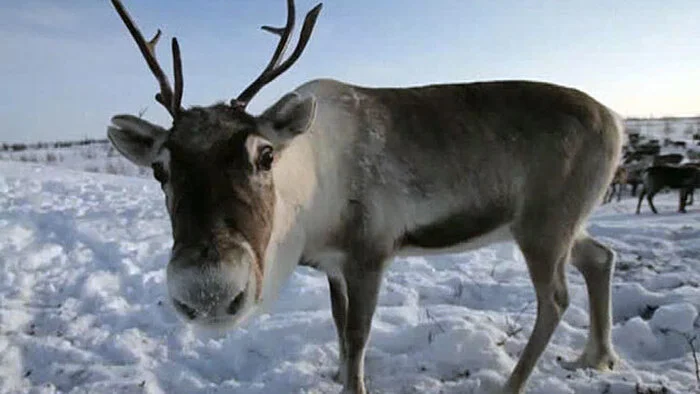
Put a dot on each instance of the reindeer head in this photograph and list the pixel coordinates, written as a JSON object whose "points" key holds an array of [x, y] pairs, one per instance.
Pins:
{"points": [[215, 167]]}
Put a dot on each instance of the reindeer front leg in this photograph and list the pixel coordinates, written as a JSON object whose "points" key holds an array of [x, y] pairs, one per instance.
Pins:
{"points": [[682, 196], [363, 285]]}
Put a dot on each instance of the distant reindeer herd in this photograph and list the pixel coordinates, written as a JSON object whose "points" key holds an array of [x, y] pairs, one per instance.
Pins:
{"points": [[655, 173]]}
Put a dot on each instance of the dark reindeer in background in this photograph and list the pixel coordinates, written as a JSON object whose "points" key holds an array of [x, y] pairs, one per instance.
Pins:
{"points": [[344, 178], [690, 197], [632, 171], [656, 178], [667, 160]]}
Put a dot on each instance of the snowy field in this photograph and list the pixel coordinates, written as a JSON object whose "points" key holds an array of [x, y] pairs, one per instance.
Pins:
{"points": [[99, 157], [83, 306]]}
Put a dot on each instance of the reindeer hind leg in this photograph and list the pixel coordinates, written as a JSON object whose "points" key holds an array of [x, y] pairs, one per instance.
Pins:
{"points": [[641, 198], [339, 307], [596, 263], [546, 263], [650, 200]]}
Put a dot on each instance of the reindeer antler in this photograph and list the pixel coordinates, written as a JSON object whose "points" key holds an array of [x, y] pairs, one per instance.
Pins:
{"points": [[274, 68], [169, 99]]}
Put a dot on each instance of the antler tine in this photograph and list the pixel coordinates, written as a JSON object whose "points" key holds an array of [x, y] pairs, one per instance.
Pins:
{"points": [[147, 48], [306, 30], [274, 30], [285, 33], [153, 42], [176, 104], [274, 68]]}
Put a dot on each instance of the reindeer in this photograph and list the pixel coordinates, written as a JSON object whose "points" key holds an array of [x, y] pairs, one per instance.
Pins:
{"points": [[656, 178], [669, 159], [690, 197], [344, 178], [635, 172], [618, 183], [635, 166]]}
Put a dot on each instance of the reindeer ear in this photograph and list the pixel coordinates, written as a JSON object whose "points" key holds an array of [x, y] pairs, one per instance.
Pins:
{"points": [[139, 141], [287, 118]]}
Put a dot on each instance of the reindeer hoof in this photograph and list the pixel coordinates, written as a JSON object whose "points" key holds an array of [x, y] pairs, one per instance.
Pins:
{"points": [[337, 378], [605, 362], [356, 390]]}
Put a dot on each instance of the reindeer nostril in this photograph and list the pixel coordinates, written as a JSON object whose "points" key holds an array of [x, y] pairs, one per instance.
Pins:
{"points": [[185, 309], [235, 305]]}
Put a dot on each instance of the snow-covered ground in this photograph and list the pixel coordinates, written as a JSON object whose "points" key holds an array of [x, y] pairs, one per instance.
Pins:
{"points": [[99, 157], [83, 306]]}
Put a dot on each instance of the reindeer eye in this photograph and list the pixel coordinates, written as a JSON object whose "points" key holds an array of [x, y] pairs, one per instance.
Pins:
{"points": [[265, 158], [159, 172]]}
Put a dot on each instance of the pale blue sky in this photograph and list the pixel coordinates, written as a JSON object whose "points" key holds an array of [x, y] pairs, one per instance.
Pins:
{"points": [[67, 67]]}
